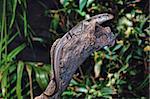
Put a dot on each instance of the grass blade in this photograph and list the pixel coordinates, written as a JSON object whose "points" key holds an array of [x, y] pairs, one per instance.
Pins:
{"points": [[14, 13], [15, 52], [19, 78], [29, 70]]}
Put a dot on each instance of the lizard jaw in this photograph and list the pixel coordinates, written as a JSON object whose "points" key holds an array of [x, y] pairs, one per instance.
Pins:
{"points": [[103, 18]]}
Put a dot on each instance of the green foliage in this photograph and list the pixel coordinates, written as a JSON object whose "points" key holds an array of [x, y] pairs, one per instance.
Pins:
{"points": [[12, 72], [19, 77], [82, 3], [121, 62], [120, 71], [41, 76]]}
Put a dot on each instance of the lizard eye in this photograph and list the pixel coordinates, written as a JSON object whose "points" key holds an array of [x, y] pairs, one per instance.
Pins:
{"points": [[88, 20]]}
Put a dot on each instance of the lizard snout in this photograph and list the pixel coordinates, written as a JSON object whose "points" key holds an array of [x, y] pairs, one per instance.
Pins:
{"points": [[103, 18]]}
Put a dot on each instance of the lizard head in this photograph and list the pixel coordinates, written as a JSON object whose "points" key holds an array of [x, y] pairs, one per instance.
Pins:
{"points": [[100, 18], [103, 17], [103, 35]]}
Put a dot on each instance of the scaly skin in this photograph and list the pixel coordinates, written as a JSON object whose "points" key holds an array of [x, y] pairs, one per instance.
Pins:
{"points": [[54, 88], [97, 19]]}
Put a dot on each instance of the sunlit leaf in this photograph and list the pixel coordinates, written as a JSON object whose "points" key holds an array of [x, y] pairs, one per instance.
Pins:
{"points": [[125, 21], [12, 68], [120, 42], [4, 81], [64, 2], [19, 1], [107, 49], [89, 2], [25, 23], [129, 16], [1, 10], [41, 77], [68, 93], [81, 89], [82, 4], [29, 71], [97, 68], [119, 81], [14, 13], [19, 79], [82, 13], [73, 82], [147, 48], [55, 21], [106, 91], [128, 31], [116, 47]]}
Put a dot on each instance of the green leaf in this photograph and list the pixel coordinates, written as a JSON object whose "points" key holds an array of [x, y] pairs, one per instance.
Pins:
{"points": [[29, 71], [120, 82], [15, 52], [133, 72], [9, 41], [82, 90], [19, 78], [89, 2], [73, 82], [14, 13], [41, 77], [124, 49], [82, 4], [12, 68], [68, 93], [123, 68], [116, 47], [106, 91], [19, 1], [128, 58], [64, 2], [107, 49], [4, 68], [82, 13], [97, 68], [4, 83], [55, 22], [144, 83], [25, 23], [11, 80], [1, 10]]}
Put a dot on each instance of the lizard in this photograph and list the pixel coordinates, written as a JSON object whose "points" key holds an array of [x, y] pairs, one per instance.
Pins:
{"points": [[59, 45], [98, 18]]}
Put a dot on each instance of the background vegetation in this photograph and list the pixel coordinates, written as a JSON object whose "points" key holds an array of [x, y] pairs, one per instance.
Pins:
{"points": [[118, 72]]}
